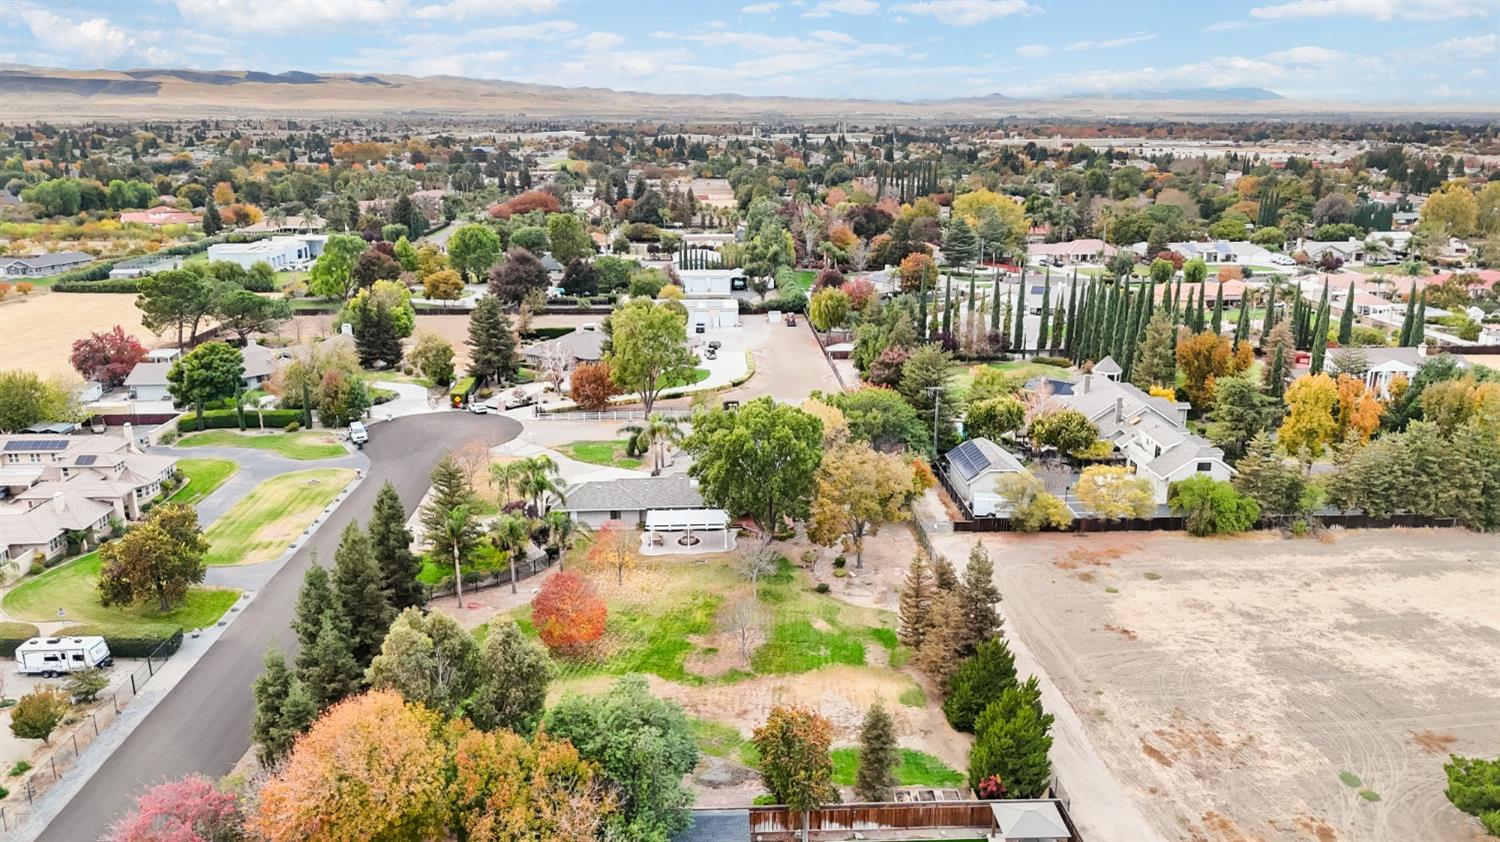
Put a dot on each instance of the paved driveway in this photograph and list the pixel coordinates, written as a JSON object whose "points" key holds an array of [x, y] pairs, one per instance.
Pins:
{"points": [[256, 466], [203, 724]]}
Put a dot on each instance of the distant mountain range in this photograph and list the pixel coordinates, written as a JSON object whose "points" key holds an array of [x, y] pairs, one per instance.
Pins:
{"points": [[28, 93]]}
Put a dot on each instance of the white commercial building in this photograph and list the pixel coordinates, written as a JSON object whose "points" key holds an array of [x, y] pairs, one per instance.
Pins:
{"points": [[283, 253]]}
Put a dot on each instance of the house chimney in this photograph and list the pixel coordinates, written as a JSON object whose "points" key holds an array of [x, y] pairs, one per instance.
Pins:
{"points": [[1119, 409], [129, 430], [59, 505], [1088, 380]]}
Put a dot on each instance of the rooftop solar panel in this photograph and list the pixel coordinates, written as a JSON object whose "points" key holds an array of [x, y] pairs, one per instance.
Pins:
{"points": [[87, 460], [30, 444]]}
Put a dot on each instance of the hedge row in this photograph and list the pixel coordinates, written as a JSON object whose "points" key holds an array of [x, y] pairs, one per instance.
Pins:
{"points": [[138, 645], [224, 419], [100, 271], [546, 333], [117, 285], [14, 634]]}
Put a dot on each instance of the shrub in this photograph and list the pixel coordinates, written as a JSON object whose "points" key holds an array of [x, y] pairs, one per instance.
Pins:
{"points": [[1059, 362], [85, 685], [38, 713], [161, 644], [14, 634], [1212, 507], [822, 587], [117, 285], [20, 768], [293, 426], [25, 287], [225, 419]]}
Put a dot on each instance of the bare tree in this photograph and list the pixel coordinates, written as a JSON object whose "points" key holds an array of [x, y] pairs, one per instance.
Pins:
{"points": [[757, 561], [555, 363], [473, 458], [859, 256], [745, 622]]}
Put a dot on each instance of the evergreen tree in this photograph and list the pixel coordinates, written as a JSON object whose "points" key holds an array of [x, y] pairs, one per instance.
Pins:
{"points": [[977, 599], [1070, 343], [1012, 741], [938, 657], [948, 310], [1121, 330], [314, 600], [1155, 361], [1242, 327], [1320, 336], [1200, 313], [375, 335], [357, 589], [1275, 383], [283, 709], [1269, 321], [1018, 335], [944, 577], [212, 222], [1346, 319], [1132, 332], [1107, 333], [327, 669], [1419, 323], [876, 778], [1218, 322], [960, 245], [916, 603], [979, 680], [1042, 332], [492, 342], [390, 542], [995, 308]]}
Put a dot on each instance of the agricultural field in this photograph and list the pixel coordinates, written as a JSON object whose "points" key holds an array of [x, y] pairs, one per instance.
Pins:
{"points": [[1264, 688], [37, 331], [268, 519]]}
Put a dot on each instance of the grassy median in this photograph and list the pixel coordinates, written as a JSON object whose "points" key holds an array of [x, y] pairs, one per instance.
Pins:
{"points": [[263, 524]]}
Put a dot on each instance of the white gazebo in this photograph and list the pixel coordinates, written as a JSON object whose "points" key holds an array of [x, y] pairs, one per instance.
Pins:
{"points": [[686, 532]]}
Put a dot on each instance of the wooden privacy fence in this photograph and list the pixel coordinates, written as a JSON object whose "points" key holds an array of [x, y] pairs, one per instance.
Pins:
{"points": [[770, 823]]}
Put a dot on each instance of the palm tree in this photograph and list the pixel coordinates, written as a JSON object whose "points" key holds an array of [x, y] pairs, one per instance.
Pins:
{"points": [[658, 432], [458, 529], [538, 477], [510, 534], [504, 477], [562, 531]]}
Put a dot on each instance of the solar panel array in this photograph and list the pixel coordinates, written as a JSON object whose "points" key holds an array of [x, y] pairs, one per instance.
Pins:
{"points": [[86, 460], [47, 444], [968, 458]]}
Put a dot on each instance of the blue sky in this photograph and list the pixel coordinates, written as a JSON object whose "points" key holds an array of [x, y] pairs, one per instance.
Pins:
{"points": [[1395, 51]]}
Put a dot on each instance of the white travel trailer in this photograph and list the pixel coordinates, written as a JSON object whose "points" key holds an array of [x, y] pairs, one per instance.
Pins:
{"points": [[50, 656]]}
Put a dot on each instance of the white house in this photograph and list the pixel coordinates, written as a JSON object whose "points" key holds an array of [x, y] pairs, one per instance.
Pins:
{"points": [[283, 253], [1386, 364], [1348, 251], [711, 313], [975, 468], [1072, 251], [718, 283], [148, 380], [1225, 252]]}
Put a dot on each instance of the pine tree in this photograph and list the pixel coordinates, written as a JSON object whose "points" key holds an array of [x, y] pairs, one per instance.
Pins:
{"points": [[327, 669], [876, 778], [938, 657], [944, 577], [390, 542], [916, 603], [1012, 741], [283, 709], [212, 222], [1155, 362], [977, 598], [1218, 322], [376, 337], [313, 601], [1044, 330], [357, 590], [1346, 319], [492, 342]]}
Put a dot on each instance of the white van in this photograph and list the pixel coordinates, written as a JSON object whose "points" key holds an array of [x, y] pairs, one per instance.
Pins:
{"points": [[50, 656], [357, 432]]}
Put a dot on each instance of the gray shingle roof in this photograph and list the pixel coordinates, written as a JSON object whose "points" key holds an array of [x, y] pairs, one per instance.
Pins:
{"points": [[634, 493], [45, 261], [716, 826], [1107, 366]]}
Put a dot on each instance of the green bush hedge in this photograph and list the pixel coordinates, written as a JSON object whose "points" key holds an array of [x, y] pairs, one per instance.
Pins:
{"points": [[117, 285], [14, 634], [537, 333], [1060, 362], [224, 419], [133, 645]]}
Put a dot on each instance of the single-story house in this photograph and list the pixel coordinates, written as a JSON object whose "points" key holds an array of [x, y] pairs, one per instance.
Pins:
{"points": [[1386, 364], [43, 265], [628, 499], [148, 380], [1348, 251], [712, 313], [710, 282], [1072, 251], [39, 529], [554, 269], [158, 216], [309, 224], [146, 264], [282, 253], [1221, 252], [975, 467], [584, 345]]}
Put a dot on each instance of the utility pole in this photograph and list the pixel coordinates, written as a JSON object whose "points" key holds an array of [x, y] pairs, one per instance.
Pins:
{"points": [[937, 401]]}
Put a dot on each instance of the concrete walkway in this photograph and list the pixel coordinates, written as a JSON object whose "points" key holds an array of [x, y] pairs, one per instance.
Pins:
{"points": [[411, 399]]}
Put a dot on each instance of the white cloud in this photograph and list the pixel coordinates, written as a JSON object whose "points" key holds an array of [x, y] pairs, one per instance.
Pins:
{"points": [[967, 12], [288, 16], [542, 30], [1033, 51], [1471, 46], [759, 8], [602, 40], [828, 8], [1122, 41], [94, 40], [1307, 55], [1382, 10], [465, 9], [833, 37]]}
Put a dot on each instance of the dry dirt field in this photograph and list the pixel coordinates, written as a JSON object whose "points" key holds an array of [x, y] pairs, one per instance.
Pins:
{"points": [[1229, 683], [37, 331]]}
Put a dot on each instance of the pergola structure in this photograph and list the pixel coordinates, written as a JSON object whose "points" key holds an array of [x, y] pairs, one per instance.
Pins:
{"points": [[687, 532]]}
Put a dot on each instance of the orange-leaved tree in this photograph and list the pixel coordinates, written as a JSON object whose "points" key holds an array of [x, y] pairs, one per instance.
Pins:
{"points": [[506, 788], [615, 548], [590, 385], [371, 768], [1203, 358], [568, 615]]}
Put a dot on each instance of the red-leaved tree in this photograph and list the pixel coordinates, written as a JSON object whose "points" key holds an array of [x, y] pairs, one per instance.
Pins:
{"points": [[860, 292], [590, 385], [568, 615], [107, 356], [188, 810], [526, 203]]}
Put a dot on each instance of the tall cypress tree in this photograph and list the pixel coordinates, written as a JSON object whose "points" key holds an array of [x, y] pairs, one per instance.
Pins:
{"points": [[1419, 324], [1018, 336], [1320, 338], [1070, 343], [948, 308], [1218, 322], [1122, 321], [1270, 320], [1242, 327], [1404, 339], [1346, 319], [1042, 332], [995, 307], [212, 222], [1200, 315], [1132, 332], [1278, 386], [390, 541], [1189, 313]]}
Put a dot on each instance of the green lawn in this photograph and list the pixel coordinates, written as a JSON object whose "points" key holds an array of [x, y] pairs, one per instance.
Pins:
{"points": [[608, 453], [805, 278], [916, 769], [398, 377], [963, 374], [306, 444], [203, 476], [73, 587], [266, 520], [697, 376]]}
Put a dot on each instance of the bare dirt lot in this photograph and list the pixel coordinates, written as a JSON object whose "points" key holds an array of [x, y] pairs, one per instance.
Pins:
{"points": [[1267, 689], [37, 331]]}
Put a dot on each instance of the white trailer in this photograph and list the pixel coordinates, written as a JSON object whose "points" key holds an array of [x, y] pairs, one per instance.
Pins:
{"points": [[50, 656]]}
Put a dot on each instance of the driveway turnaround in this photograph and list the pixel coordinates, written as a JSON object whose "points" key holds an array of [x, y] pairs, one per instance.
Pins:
{"points": [[203, 724]]}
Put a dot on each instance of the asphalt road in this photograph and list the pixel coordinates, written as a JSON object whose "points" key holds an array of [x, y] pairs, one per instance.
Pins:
{"points": [[203, 724]]}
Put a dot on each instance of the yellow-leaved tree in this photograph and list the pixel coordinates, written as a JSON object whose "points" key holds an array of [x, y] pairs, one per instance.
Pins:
{"points": [[856, 490], [1113, 492], [1310, 425]]}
